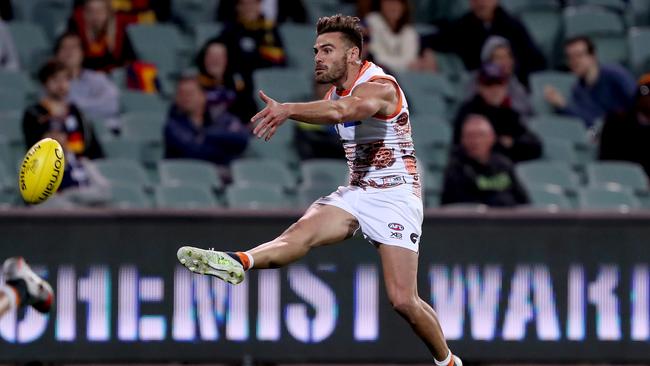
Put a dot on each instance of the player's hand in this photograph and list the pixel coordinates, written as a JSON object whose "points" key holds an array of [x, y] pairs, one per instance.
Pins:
{"points": [[270, 118]]}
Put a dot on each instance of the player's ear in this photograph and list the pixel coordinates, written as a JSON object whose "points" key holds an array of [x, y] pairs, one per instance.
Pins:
{"points": [[354, 55]]}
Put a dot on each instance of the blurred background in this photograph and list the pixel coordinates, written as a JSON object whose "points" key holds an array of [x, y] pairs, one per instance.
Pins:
{"points": [[531, 121]]}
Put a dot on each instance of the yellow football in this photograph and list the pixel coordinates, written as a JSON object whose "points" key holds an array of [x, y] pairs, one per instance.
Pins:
{"points": [[41, 171]]}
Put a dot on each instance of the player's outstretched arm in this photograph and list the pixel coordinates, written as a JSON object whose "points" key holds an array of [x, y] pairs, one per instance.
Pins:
{"points": [[366, 100]]}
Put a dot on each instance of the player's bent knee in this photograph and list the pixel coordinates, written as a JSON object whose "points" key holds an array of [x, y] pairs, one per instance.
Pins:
{"points": [[406, 305]]}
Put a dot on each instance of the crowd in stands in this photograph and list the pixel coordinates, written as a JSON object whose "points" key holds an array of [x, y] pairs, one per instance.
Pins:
{"points": [[497, 101]]}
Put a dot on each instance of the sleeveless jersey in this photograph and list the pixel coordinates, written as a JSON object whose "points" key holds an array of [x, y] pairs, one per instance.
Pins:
{"points": [[379, 150]]}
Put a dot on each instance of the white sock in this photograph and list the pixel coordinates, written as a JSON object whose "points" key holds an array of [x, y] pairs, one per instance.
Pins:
{"points": [[250, 260], [444, 362], [11, 295]]}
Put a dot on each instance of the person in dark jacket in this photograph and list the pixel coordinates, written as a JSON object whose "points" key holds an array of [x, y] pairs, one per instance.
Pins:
{"points": [[55, 117], [476, 173], [626, 136], [465, 37], [193, 132], [514, 139]]}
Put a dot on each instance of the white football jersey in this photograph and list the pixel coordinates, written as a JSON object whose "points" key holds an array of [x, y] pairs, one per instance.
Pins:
{"points": [[379, 150]]}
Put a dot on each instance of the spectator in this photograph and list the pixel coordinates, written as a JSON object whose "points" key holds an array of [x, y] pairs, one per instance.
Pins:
{"points": [[53, 116], [103, 35], [626, 136], [394, 43], [465, 36], [8, 53], [497, 50], [91, 91], [318, 141], [277, 11], [600, 89], [192, 131], [225, 90], [514, 140], [253, 41], [477, 174]]}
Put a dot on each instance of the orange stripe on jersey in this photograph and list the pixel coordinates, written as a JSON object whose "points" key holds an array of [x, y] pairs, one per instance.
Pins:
{"points": [[346, 92], [398, 108]]}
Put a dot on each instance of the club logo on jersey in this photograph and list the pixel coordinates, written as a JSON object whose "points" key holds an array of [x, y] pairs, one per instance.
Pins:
{"points": [[414, 238], [395, 226], [394, 235]]}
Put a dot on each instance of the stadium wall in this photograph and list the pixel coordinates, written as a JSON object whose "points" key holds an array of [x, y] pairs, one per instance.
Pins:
{"points": [[511, 286]]}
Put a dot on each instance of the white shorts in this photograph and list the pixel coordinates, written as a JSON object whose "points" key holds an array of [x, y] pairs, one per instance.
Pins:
{"points": [[391, 216]]}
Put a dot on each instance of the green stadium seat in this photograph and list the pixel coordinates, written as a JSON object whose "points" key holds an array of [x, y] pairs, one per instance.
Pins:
{"points": [[203, 32], [262, 172], [638, 13], [596, 198], [611, 49], [432, 138], [283, 84], [11, 129], [307, 194], [147, 128], [51, 15], [450, 65], [133, 101], [328, 172], [520, 6], [638, 41], [560, 127], [563, 81], [185, 171], [284, 151], [544, 26], [122, 148], [11, 103], [123, 171], [18, 83], [195, 11], [591, 21], [320, 8], [617, 175], [298, 40], [128, 196], [32, 45], [615, 5], [548, 199], [428, 104], [184, 196], [161, 44], [426, 83], [561, 150], [257, 197], [548, 175]]}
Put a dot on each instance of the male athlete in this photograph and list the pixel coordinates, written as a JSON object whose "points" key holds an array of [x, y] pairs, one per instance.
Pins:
{"points": [[371, 115], [23, 287]]}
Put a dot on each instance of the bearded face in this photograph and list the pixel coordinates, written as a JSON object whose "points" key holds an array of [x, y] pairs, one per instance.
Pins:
{"points": [[331, 58]]}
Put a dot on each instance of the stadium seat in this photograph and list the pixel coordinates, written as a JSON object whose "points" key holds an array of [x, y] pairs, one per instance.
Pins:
{"points": [[161, 44], [560, 150], [328, 172], [612, 49], [617, 175], [186, 171], [298, 41], [256, 197], [283, 84], [12, 130], [203, 32], [426, 83], [560, 127], [450, 65], [427, 104], [32, 45], [122, 171], [262, 172], [638, 13], [591, 21], [615, 5], [128, 196], [184, 196], [596, 198], [283, 150], [544, 26], [320, 8], [122, 148], [133, 101], [547, 175], [11, 103], [638, 41], [19, 83], [521, 6], [195, 11], [563, 81], [306, 195], [51, 15], [147, 128], [548, 199], [6, 157]]}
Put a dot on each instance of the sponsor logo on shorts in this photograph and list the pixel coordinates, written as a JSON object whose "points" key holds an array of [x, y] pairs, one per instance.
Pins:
{"points": [[394, 235], [395, 226], [414, 238]]}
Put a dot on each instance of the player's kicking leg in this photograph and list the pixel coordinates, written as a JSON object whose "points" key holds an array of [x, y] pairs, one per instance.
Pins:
{"points": [[23, 287], [400, 268], [320, 225]]}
